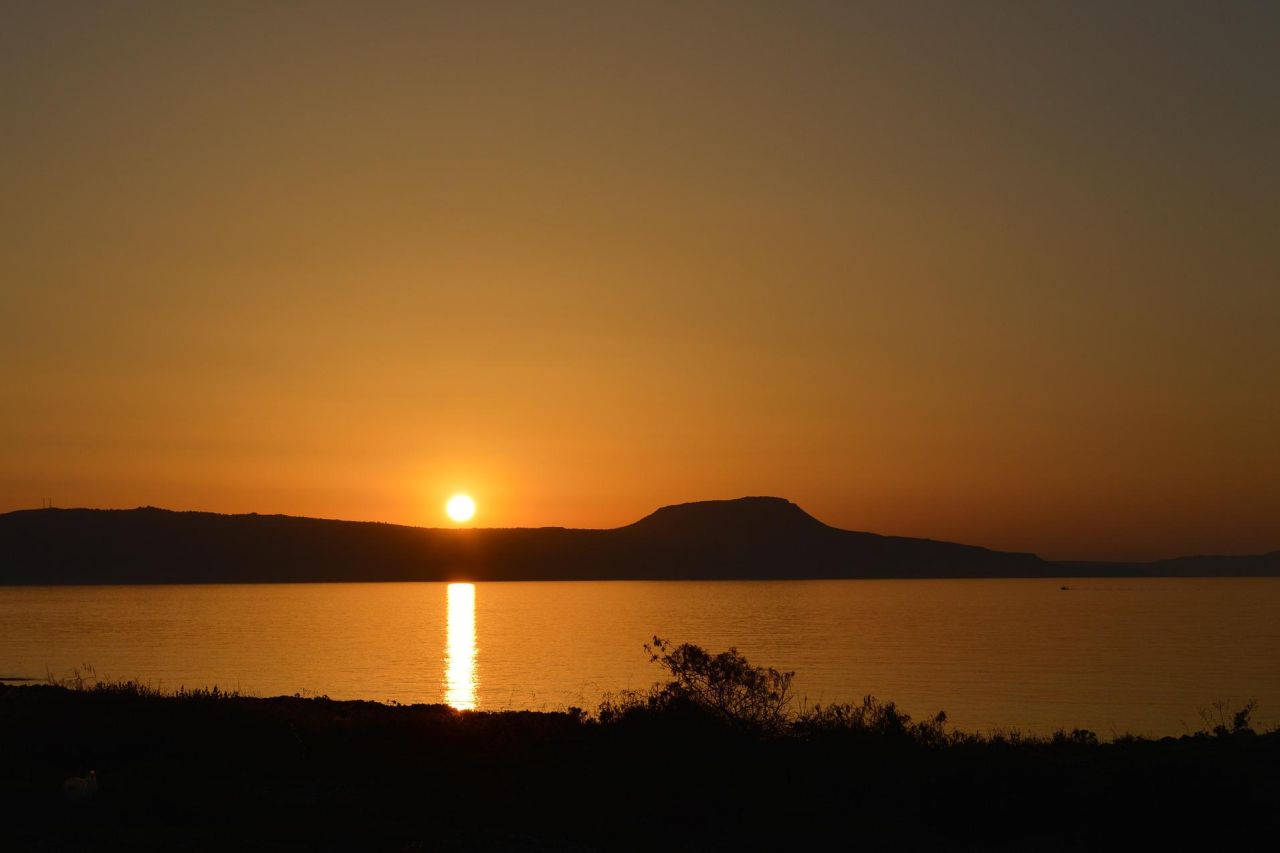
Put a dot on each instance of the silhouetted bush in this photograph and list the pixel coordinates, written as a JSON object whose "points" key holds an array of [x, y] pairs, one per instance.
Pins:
{"points": [[724, 684], [728, 687], [873, 718], [1215, 719], [1078, 737]]}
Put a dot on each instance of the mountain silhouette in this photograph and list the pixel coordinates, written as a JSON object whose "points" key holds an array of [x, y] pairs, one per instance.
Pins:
{"points": [[746, 538], [743, 517]]}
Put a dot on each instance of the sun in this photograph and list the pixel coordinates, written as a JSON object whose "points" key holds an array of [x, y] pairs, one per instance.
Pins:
{"points": [[460, 508]]}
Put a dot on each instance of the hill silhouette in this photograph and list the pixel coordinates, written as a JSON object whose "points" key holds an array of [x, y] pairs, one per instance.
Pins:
{"points": [[747, 538], [744, 517]]}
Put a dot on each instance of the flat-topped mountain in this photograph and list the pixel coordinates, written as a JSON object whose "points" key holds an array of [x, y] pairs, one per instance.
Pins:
{"points": [[737, 512], [748, 538], [747, 517]]}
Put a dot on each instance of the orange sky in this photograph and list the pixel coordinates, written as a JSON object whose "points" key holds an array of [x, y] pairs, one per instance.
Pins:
{"points": [[997, 275]]}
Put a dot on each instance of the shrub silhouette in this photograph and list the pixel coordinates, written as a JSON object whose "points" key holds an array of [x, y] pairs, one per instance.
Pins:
{"points": [[724, 685], [728, 688], [871, 717], [1077, 737], [1215, 719]]}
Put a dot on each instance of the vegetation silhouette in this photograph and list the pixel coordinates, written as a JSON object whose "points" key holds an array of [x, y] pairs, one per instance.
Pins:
{"points": [[714, 757], [747, 538], [726, 685]]}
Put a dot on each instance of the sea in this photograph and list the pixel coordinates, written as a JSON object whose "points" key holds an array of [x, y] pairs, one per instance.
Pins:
{"points": [[1153, 657]]}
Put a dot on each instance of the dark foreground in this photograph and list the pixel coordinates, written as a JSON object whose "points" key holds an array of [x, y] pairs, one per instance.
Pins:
{"points": [[206, 771]]}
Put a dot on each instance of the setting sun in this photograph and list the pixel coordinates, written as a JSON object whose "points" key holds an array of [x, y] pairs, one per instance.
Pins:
{"points": [[460, 508]]}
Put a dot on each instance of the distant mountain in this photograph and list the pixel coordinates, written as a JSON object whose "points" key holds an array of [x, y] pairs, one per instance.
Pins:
{"points": [[748, 538], [1205, 566]]}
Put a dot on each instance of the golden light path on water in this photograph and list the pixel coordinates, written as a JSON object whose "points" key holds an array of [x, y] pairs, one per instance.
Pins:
{"points": [[460, 653]]}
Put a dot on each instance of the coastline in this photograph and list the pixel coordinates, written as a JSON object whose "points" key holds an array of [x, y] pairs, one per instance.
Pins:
{"points": [[209, 770]]}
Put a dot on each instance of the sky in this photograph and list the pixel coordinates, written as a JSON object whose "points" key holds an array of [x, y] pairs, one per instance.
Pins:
{"points": [[998, 273]]}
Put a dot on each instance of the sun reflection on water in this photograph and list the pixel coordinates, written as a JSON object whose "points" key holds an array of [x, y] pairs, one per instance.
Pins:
{"points": [[460, 653]]}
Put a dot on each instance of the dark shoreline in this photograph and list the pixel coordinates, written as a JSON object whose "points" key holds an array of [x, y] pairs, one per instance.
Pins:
{"points": [[203, 770]]}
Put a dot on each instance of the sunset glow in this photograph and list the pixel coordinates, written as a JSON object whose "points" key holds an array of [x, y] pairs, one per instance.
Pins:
{"points": [[924, 270]]}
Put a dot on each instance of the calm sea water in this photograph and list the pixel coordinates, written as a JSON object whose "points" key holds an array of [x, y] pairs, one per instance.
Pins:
{"points": [[1110, 655]]}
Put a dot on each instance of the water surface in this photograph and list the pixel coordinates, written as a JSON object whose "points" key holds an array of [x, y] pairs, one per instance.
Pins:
{"points": [[1110, 655]]}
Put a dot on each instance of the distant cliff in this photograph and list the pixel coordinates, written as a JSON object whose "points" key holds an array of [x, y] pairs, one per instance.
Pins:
{"points": [[748, 538]]}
